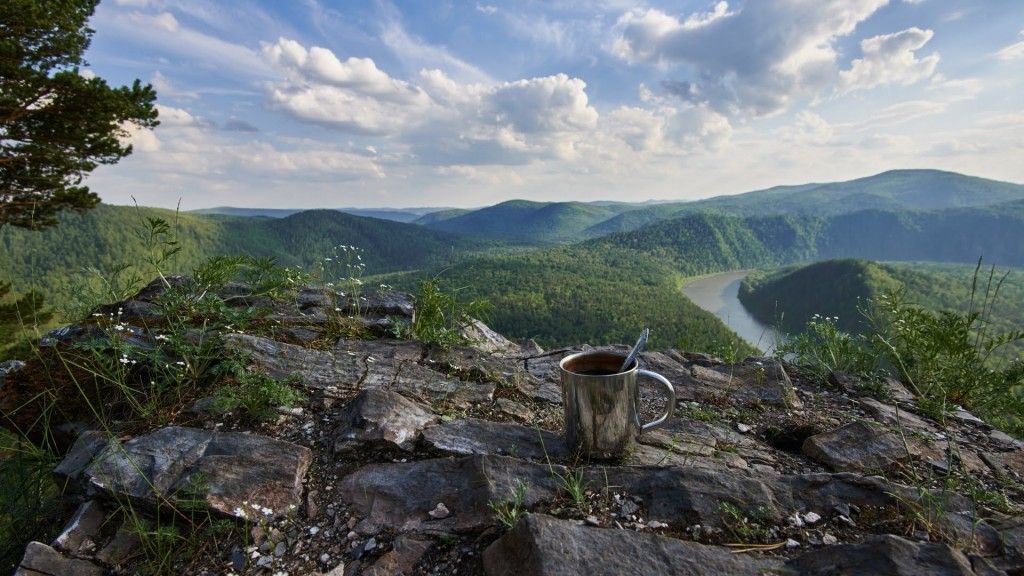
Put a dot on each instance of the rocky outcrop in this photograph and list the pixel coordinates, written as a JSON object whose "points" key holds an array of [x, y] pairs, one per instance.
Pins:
{"points": [[885, 554], [543, 546], [240, 475], [408, 459], [380, 416], [858, 447]]}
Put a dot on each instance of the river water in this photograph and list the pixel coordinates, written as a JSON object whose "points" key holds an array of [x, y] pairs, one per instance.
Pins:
{"points": [[719, 294]]}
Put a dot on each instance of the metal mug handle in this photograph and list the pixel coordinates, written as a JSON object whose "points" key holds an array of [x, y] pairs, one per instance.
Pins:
{"points": [[671, 393]]}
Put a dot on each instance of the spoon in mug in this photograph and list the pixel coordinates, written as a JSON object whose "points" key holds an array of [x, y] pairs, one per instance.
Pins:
{"points": [[636, 349]]}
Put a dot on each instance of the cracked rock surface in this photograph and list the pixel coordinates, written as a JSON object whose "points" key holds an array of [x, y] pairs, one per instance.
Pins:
{"points": [[405, 459]]}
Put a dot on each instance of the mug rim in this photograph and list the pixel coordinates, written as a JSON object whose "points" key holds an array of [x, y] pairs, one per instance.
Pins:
{"points": [[574, 356]]}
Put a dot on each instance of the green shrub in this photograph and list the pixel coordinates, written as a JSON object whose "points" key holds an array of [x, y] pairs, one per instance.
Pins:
{"points": [[823, 348], [440, 316], [254, 391], [948, 358]]}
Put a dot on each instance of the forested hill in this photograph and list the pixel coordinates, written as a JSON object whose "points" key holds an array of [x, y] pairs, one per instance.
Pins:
{"points": [[395, 215], [109, 236], [701, 243], [530, 222], [789, 297], [593, 294], [889, 191]]}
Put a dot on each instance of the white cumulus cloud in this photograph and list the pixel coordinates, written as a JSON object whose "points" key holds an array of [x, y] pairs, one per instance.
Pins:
{"points": [[890, 59], [755, 58]]}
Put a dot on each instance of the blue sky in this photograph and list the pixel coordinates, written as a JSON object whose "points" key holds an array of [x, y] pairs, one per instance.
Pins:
{"points": [[327, 103]]}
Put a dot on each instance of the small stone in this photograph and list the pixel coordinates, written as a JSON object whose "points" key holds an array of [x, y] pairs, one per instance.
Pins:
{"points": [[352, 535], [811, 517], [264, 561], [325, 558], [440, 511], [313, 530], [743, 428], [593, 521], [795, 520], [280, 549], [655, 525], [238, 560], [312, 505], [370, 545], [829, 540], [790, 543], [629, 507], [848, 521]]}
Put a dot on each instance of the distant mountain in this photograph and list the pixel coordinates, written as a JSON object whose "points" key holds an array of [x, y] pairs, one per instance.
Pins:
{"points": [[434, 217], [564, 222], [247, 212], [531, 222], [52, 260], [895, 189], [707, 242], [394, 214], [634, 219]]}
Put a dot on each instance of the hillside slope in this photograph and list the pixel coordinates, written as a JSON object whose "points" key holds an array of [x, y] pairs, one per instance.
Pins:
{"points": [[895, 190], [530, 222], [109, 236], [789, 297], [702, 243], [570, 294]]}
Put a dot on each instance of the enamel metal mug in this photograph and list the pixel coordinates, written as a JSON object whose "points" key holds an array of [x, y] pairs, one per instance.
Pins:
{"points": [[601, 416]]}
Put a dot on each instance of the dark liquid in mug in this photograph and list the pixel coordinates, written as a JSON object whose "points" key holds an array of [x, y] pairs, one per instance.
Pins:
{"points": [[595, 373]]}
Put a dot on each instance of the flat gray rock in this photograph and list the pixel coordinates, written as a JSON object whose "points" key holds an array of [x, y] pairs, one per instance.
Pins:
{"points": [[402, 558], [316, 369], [886, 554], [693, 494], [756, 381], [41, 560], [544, 546], [380, 416], [472, 436], [416, 381], [895, 418], [241, 475], [859, 447], [481, 337], [401, 495]]}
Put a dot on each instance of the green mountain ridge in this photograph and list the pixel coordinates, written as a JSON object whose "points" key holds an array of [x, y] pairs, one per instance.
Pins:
{"points": [[709, 242], [109, 236], [545, 223], [530, 222], [404, 215]]}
